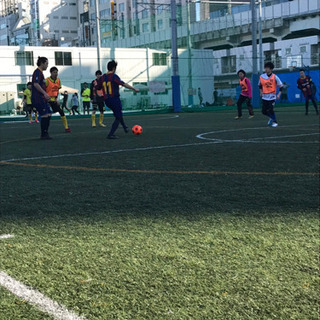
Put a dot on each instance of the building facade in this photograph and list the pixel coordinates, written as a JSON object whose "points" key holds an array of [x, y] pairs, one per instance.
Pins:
{"points": [[39, 23], [147, 69]]}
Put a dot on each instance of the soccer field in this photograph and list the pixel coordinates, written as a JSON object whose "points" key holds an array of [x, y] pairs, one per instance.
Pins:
{"points": [[200, 217]]}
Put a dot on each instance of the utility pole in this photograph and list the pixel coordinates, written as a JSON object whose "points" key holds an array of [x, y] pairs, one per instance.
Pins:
{"points": [[255, 77], [175, 79], [190, 91], [137, 18], [98, 35], [260, 38]]}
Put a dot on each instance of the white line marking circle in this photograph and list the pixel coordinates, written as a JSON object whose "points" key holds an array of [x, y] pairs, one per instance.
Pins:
{"points": [[6, 236], [37, 299], [270, 139]]}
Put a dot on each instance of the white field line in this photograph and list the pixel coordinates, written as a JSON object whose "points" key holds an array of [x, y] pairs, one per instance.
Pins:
{"points": [[37, 299], [199, 136], [110, 151], [6, 236]]}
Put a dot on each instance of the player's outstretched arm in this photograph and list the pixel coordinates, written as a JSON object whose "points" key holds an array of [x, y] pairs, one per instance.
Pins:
{"points": [[126, 85]]}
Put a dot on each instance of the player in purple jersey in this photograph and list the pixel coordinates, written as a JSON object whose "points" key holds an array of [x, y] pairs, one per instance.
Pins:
{"points": [[40, 97], [305, 84], [109, 83]]}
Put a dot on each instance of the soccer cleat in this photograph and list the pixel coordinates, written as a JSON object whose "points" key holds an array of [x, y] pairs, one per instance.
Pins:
{"points": [[112, 137], [274, 124], [102, 125], [94, 125], [67, 130], [126, 129], [251, 116], [37, 121], [270, 122], [30, 121], [46, 137], [237, 117]]}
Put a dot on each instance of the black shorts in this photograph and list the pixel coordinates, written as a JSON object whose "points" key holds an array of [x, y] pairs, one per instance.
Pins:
{"points": [[54, 106], [267, 106], [30, 108], [98, 103]]}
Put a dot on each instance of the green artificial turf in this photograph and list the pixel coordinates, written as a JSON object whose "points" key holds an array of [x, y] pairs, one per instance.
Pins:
{"points": [[163, 226]]}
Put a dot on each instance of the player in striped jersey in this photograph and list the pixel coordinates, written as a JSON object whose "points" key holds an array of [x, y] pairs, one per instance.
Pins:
{"points": [[40, 98], [109, 83]]}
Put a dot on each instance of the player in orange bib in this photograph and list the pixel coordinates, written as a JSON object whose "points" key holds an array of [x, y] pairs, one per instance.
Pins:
{"points": [[53, 84], [245, 96], [268, 84], [97, 100]]}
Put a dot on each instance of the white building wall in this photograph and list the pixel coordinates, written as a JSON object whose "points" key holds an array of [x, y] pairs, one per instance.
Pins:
{"points": [[134, 66]]}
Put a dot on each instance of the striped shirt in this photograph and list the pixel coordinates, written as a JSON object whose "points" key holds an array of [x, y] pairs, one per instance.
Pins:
{"points": [[37, 97], [109, 83]]}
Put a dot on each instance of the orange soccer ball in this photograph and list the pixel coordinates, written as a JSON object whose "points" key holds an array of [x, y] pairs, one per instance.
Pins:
{"points": [[137, 130]]}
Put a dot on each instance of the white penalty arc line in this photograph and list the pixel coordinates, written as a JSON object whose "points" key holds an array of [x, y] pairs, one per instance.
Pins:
{"points": [[37, 299], [110, 151], [199, 136], [257, 140], [6, 236]]}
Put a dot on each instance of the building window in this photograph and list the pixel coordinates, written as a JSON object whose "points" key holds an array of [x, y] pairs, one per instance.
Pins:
{"points": [[145, 27], [121, 7], [92, 3], [73, 18], [102, 1], [159, 9], [160, 24], [288, 51], [303, 49], [64, 18], [228, 64], [315, 54], [273, 56], [63, 58], [159, 59], [144, 14], [103, 13], [24, 58]]}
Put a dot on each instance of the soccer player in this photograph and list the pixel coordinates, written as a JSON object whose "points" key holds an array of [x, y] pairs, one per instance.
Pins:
{"points": [[268, 84], [109, 83], [27, 101], [39, 97], [200, 97], [305, 85], [53, 84], [245, 96], [75, 104], [85, 94], [97, 101], [65, 101]]}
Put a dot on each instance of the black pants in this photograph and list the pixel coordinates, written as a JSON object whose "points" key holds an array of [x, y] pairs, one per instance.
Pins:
{"points": [[86, 106], [56, 108], [241, 100], [312, 98], [75, 109]]}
